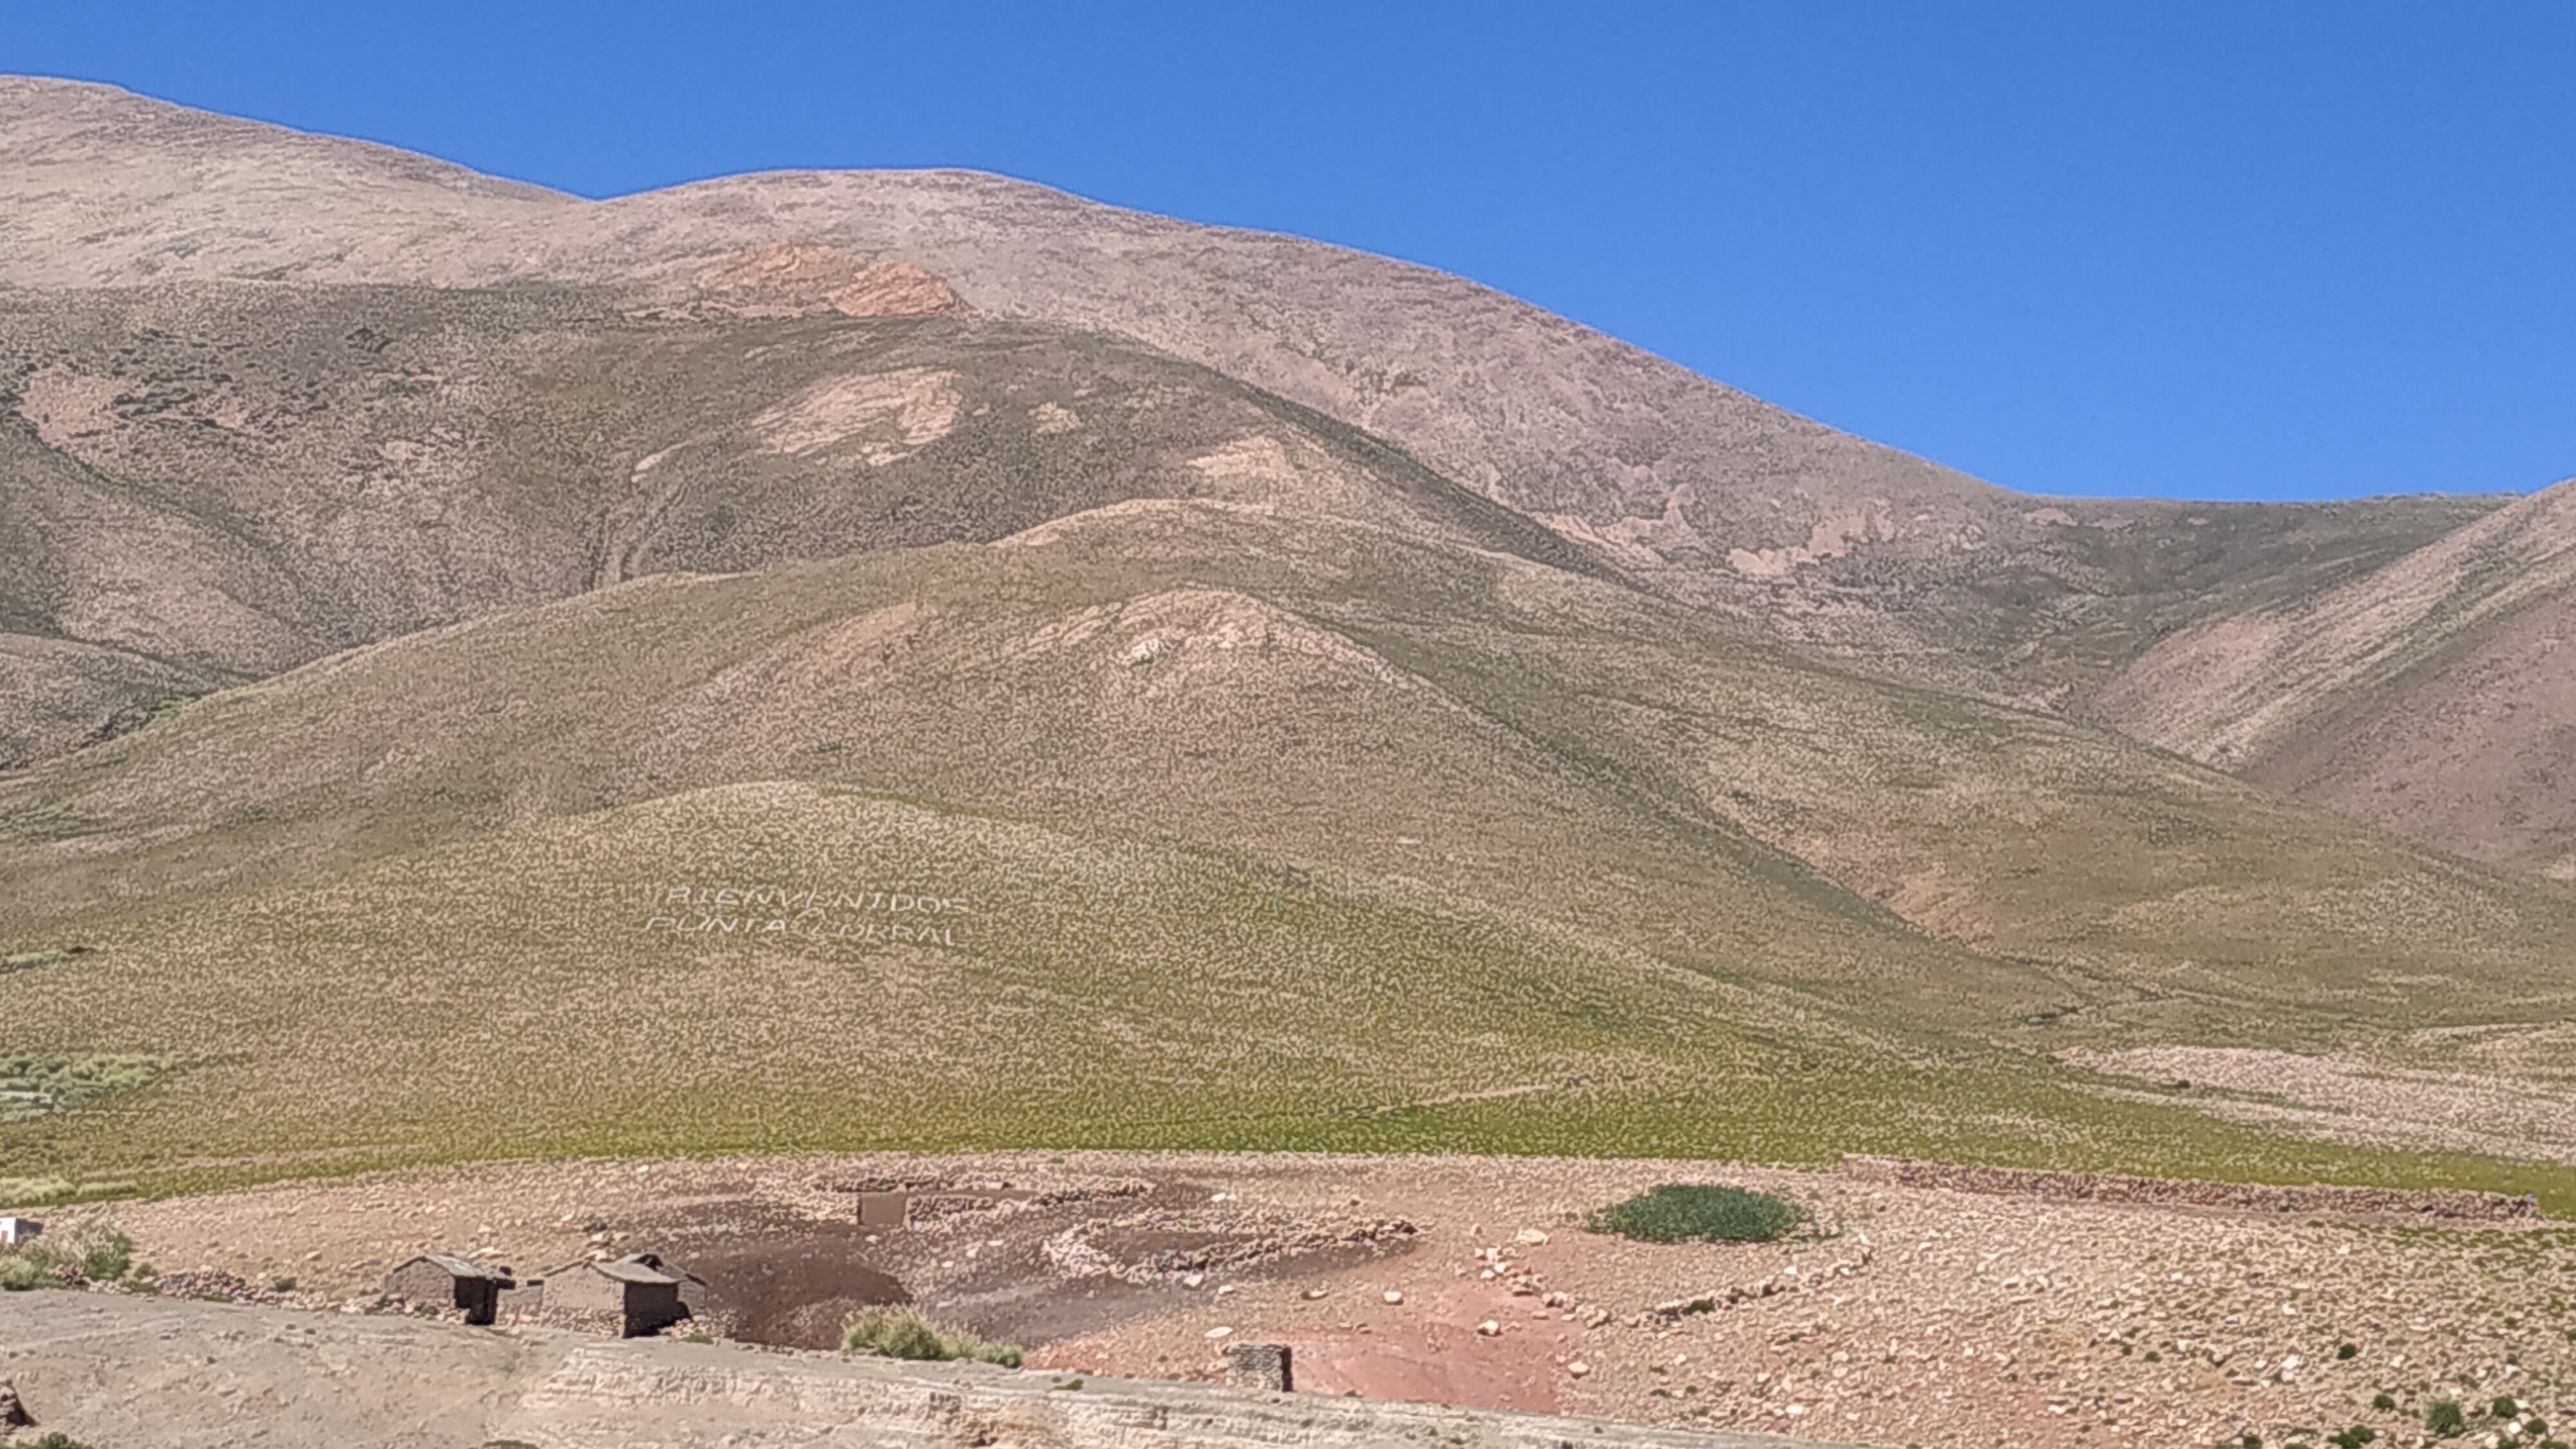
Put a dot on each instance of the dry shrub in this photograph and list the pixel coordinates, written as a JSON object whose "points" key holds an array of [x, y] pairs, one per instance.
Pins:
{"points": [[906, 1332]]}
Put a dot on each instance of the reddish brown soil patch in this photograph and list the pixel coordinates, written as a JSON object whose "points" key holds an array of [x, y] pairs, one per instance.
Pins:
{"points": [[795, 1290]]}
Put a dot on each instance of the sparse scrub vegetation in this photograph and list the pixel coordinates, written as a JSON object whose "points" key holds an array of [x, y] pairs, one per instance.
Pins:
{"points": [[27, 1192], [1631, 1033], [33, 1084], [1689, 1213], [2445, 1419], [1613, 1057], [903, 1331], [96, 1254]]}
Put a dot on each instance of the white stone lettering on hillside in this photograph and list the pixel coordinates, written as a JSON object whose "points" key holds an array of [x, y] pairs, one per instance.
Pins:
{"points": [[918, 916]]}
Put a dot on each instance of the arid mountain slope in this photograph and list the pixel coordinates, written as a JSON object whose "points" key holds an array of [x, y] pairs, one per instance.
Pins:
{"points": [[106, 188], [1377, 710], [1829, 540], [1260, 828], [204, 485], [2433, 696], [1335, 329]]}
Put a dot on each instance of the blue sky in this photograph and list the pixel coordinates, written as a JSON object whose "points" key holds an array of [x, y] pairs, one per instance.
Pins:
{"points": [[2232, 250]]}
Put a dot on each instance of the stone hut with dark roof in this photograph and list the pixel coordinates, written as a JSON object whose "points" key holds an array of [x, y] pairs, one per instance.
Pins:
{"points": [[635, 1296], [457, 1282]]}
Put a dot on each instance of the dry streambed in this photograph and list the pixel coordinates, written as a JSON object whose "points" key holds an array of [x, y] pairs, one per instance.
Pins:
{"points": [[1920, 1314]]}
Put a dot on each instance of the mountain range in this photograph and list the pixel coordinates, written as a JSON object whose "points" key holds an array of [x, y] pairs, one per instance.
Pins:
{"points": [[918, 658]]}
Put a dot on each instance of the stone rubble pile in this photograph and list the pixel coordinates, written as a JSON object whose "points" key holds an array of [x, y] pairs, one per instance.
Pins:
{"points": [[230, 1287], [933, 1206]]}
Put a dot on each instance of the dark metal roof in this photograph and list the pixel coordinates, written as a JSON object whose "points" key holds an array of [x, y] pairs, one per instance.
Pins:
{"points": [[631, 1271], [625, 1270], [459, 1267]]}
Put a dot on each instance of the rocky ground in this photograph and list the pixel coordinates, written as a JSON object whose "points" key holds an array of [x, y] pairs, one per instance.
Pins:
{"points": [[1915, 1316], [2474, 1093], [148, 1373]]}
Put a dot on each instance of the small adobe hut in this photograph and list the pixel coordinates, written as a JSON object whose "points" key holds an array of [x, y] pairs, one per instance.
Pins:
{"points": [[637, 1294], [438, 1278]]}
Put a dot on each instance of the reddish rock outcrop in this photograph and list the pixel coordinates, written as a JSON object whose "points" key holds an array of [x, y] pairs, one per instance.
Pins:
{"points": [[796, 279]]}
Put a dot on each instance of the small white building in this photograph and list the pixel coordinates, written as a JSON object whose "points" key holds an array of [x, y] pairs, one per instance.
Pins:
{"points": [[14, 1231]]}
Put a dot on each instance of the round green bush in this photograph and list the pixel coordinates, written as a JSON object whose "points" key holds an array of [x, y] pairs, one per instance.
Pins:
{"points": [[1689, 1213]]}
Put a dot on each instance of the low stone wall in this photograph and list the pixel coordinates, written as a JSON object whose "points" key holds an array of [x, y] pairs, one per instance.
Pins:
{"points": [[1790, 1279], [1236, 1237], [601, 1322], [2173, 1192]]}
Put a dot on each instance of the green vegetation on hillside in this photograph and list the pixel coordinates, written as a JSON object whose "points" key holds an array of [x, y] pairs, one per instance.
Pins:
{"points": [[522, 995], [33, 1084], [1265, 833]]}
